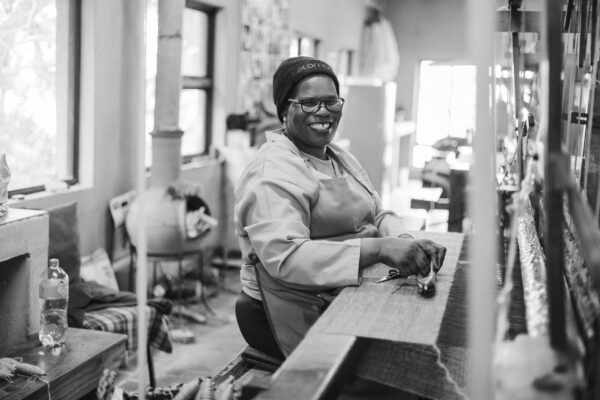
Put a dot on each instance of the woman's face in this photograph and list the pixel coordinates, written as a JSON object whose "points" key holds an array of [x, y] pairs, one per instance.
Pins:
{"points": [[311, 132]]}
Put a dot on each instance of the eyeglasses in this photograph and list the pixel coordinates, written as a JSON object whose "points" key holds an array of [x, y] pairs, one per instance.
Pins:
{"points": [[313, 105]]}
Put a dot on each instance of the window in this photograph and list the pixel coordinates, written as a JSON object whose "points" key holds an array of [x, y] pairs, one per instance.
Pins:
{"points": [[39, 91], [304, 46], [446, 106], [197, 60]]}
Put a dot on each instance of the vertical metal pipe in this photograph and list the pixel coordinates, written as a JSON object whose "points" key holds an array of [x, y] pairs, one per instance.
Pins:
{"points": [[166, 136], [516, 68], [554, 163], [137, 19], [482, 198]]}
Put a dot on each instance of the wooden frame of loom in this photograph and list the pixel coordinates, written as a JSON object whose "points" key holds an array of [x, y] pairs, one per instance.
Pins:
{"points": [[561, 272]]}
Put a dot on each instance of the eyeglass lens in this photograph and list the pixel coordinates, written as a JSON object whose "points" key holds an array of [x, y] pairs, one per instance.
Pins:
{"points": [[314, 105]]}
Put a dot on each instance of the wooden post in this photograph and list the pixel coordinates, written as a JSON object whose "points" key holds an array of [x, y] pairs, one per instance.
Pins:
{"points": [[481, 207], [554, 173]]}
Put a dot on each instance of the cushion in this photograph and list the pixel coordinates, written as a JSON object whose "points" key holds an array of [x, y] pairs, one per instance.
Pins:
{"points": [[97, 268], [64, 238]]}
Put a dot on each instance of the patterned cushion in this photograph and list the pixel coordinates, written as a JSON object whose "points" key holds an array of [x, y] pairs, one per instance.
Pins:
{"points": [[97, 267]]}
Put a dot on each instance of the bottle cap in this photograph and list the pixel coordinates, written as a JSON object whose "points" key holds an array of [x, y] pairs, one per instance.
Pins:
{"points": [[53, 262]]}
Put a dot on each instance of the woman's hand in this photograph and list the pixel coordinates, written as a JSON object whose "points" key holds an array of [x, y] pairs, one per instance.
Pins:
{"points": [[435, 251], [408, 256], [405, 255]]}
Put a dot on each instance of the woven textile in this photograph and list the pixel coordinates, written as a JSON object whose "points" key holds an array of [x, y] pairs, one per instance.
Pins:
{"points": [[413, 343], [416, 367], [124, 320]]}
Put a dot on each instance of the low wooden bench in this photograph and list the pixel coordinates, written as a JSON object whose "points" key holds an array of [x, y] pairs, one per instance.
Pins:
{"points": [[250, 370], [72, 371], [326, 371]]}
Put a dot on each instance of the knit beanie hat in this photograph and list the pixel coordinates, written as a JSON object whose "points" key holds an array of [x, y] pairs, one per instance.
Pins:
{"points": [[290, 72]]}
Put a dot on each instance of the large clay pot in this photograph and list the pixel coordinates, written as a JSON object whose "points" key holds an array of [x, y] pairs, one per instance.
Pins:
{"points": [[165, 222]]}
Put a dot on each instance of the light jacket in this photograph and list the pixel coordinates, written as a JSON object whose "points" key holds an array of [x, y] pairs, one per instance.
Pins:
{"points": [[299, 232]]}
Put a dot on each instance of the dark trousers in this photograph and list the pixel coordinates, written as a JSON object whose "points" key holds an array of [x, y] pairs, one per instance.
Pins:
{"points": [[254, 325]]}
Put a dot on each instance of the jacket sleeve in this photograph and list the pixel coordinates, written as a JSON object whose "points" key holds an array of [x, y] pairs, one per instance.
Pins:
{"points": [[275, 214]]}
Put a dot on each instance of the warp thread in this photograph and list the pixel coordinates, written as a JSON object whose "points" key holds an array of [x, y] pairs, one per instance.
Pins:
{"points": [[520, 199], [447, 375]]}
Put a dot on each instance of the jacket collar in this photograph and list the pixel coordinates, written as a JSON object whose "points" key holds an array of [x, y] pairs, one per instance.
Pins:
{"points": [[342, 156]]}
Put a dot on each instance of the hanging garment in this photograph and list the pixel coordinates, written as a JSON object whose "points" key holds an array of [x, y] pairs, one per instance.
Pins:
{"points": [[379, 56]]}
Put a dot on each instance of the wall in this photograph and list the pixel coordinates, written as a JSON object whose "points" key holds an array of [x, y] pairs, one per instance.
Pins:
{"points": [[109, 102], [425, 30], [337, 23]]}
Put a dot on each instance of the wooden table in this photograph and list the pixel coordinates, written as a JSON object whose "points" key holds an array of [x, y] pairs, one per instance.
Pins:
{"points": [[72, 371], [387, 333]]}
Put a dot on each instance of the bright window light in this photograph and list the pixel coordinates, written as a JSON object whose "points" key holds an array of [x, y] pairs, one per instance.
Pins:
{"points": [[37, 91], [446, 105]]}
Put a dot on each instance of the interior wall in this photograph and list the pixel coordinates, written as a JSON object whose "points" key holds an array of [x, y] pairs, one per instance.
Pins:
{"points": [[108, 104], [425, 30], [337, 23]]}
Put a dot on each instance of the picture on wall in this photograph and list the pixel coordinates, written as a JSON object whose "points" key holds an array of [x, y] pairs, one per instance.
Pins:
{"points": [[264, 44]]}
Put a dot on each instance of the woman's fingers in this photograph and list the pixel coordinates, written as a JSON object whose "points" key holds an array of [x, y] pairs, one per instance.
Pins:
{"points": [[435, 251], [422, 262], [412, 257], [441, 256]]}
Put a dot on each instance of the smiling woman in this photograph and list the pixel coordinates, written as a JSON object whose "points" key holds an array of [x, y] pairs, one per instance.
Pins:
{"points": [[308, 217]]}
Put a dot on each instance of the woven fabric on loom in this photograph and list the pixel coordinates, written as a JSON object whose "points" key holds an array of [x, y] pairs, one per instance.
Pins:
{"points": [[449, 356], [413, 343], [585, 295]]}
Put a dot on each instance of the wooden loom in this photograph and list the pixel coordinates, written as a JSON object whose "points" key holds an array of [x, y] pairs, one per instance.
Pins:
{"points": [[559, 240]]}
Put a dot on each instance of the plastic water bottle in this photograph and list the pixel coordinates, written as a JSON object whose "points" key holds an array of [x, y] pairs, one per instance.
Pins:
{"points": [[54, 297]]}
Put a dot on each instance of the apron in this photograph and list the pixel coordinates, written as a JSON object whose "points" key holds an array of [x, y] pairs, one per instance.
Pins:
{"points": [[345, 210]]}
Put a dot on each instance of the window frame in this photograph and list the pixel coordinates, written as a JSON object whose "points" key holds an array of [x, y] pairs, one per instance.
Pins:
{"points": [[73, 10], [204, 83], [297, 39]]}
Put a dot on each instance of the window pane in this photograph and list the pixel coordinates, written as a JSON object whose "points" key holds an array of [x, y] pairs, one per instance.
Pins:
{"points": [[194, 43], [446, 102], [462, 101], [434, 97], [191, 119], [28, 92]]}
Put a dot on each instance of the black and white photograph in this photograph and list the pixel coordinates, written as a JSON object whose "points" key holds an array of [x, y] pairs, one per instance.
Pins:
{"points": [[299, 200]]}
